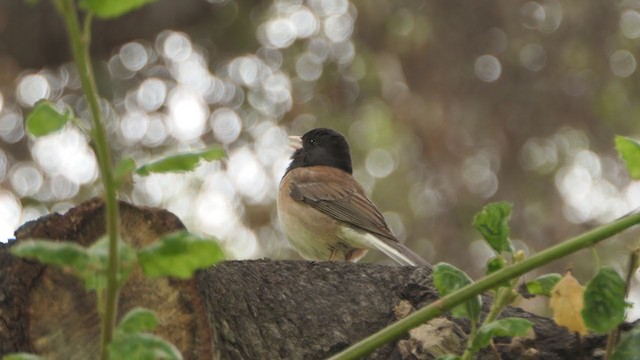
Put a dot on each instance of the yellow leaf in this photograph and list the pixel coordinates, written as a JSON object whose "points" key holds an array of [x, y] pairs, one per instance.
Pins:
{"points": [[567, 303]]}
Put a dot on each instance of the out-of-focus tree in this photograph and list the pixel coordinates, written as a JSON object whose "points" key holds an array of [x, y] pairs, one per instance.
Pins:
{"points": [[447, 104]]}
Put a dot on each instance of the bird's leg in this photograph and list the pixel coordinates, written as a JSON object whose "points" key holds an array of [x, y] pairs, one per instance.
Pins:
{"points": [[355, 254]]}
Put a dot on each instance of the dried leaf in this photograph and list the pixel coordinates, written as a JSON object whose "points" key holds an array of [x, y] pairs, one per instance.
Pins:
{"points": [[567, 302]]}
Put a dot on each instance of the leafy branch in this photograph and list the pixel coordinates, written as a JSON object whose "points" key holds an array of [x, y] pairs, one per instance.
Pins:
{"points": [[106, 265], [604, 296], [80, 42], [394, 331]]}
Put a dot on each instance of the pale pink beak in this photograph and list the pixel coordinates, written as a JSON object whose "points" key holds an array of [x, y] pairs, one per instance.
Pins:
{"points": [[295, 142]]}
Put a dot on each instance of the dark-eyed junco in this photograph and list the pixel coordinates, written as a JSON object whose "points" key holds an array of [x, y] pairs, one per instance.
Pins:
{"points": [[325, 212]]}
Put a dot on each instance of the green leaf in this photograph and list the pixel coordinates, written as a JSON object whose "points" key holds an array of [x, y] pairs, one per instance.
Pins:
{"points": [[99, 255], [89, 264], [628, 347], [123, 170], [493, 223], [543, 284], [22, 356], [46, 118], [140, 346], [179, 255], [181, 162], [497, 263], [138, 320], [629, 151], [447, 279], [112, 8], [604, 304], [502, 327], [65, 254]]}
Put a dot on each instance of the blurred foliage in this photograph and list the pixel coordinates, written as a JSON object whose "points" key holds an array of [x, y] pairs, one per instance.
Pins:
{"points": [[448, 105]]}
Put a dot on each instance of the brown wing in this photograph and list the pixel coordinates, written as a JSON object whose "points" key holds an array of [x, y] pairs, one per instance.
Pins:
{"points": [[337, 194]]}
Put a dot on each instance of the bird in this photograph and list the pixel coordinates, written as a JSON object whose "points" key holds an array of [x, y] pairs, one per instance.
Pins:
{"points": [[324, 212]]}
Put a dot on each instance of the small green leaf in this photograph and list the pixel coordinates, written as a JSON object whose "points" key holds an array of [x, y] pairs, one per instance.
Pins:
{"points": [[447, 279], [22, 356], [502, 327], [141, 346], [89, 264], [99, 255], [497, 263], [604, 304], [63, 253], [628, 347], [629, 151], [46, 118], [543, 284], [123, 170], [181, 162], [179, 255], [493, 223], [112, 8], [138, 320]]}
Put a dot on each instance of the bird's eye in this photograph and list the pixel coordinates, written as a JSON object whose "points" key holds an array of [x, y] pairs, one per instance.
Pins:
{"points": [[311, 141]]}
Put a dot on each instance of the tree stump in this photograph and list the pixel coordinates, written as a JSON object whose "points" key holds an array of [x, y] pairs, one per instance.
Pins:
{"points": [[240, 309]]}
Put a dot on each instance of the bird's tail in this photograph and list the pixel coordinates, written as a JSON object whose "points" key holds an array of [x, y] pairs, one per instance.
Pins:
{"points": [[399, 253]]}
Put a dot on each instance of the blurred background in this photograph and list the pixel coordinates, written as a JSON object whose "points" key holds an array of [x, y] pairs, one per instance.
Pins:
{"points": [[448, 105]]}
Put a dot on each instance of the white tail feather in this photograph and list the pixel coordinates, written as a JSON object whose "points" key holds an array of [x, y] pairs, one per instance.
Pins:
{"points": [[395, 250]]}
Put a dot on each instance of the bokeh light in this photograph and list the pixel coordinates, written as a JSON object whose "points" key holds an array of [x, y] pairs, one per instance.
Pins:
{"points": [[151, 94], [622, 63], [32, 88], [68, 154], [133, 56], [488, 68], [187, 114], [11, 126], [279, 33], [379, 163], [533, 57], [10, 211], [4, 165], [26, 179], [226, 125], [176, 46], [630, 24]]}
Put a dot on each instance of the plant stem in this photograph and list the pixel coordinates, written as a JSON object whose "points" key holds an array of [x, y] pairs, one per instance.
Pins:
{"points": [[503, 298], [80, 48], [437, 308], [612, 338], [468, 354]]}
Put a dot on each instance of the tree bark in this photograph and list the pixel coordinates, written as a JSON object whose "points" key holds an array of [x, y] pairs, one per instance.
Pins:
{"points": [[241, 309]]}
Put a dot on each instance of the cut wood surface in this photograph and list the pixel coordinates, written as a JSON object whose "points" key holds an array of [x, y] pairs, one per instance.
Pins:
{"points": [[259, 309]]}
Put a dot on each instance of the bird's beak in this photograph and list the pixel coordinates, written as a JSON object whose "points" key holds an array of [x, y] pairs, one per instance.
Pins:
{"points": [[295, 142]]}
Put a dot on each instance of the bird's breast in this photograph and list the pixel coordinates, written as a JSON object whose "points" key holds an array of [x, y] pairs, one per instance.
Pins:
{"points": [[312, 233]]}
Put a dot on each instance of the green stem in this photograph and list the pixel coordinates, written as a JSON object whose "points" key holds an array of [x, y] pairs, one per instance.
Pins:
{"points": [[502, 299], [468, 354], [439, 307], [80, 48], [612, 338]]}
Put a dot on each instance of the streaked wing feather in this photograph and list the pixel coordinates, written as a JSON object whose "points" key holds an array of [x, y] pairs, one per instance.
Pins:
{"points": [[342, 201]]}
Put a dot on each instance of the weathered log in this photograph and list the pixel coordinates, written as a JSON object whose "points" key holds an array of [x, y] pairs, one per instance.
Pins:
{"points": [[240, 309], [46, 311]]}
